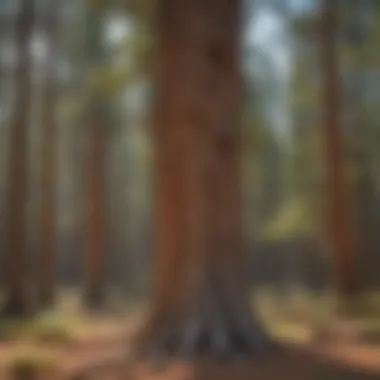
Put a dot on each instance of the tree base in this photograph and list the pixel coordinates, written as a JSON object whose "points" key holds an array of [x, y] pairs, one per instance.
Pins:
{"points": [[200, 339], [94, 299], [16, 307]]}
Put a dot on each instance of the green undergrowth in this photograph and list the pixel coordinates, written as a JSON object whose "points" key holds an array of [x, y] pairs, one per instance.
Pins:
{"points": [[367, 305], [299, 303], [294, 304], [296, 313], [52, 330], [44, 328]]}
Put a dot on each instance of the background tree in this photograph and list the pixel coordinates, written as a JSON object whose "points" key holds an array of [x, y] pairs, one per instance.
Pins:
{"points": [[96, 141], [360, 26], [337, 221], [49, 156], [16, 304]]}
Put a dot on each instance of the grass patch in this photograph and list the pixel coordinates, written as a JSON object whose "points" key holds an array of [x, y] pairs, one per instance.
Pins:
{"points": [[49, 328], [31, 366], [297, 315], [289, 332], [52, 334], [52, 329]]}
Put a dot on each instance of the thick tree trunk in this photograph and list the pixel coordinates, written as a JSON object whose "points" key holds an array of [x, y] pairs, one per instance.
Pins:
{"points": [[15, 304], [49, 165], [201, 298], [95, 228], [336, 188]]}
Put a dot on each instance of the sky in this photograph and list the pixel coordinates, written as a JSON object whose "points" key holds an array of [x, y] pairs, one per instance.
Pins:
{"points": [[301, 6], [268, 33], [269, 38]]}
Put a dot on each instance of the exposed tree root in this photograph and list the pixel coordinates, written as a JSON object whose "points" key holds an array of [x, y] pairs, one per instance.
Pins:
{"points": [[198, 337]]}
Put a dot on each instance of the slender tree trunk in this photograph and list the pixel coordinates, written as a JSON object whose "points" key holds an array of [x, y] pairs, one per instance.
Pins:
{"points": [[49, 164], [95, 229], [16, 220], [364, 188], [95, 212], [336, 187], [201, 298]]}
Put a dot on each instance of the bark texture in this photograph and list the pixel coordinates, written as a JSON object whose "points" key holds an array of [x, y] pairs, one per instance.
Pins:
{"points": [[336, 186], [15, 304], [201, 299], [49, 162]]}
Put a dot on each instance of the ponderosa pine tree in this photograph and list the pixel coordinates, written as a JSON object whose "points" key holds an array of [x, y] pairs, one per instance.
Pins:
{"points": [[201, 297], [336, 187], [49, 157], [15, 302]]}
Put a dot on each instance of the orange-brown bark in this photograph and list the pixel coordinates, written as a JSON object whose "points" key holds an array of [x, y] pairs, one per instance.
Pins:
{"points": [[49, 165], [200, 297], [336, 186], [17, 172]]}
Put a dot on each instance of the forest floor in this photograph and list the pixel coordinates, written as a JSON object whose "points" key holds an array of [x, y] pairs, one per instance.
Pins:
{"points": [[96, 348], [302, 358], [100, 352]]}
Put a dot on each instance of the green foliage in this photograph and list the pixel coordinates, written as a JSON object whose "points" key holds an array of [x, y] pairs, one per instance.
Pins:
{"points": [[108, 81], [294, 219]]}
